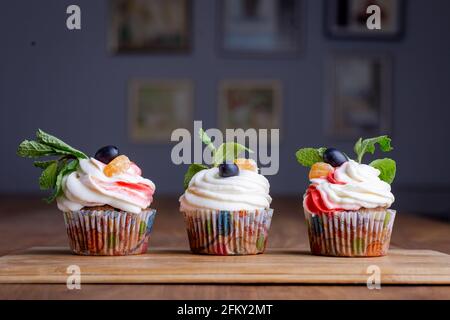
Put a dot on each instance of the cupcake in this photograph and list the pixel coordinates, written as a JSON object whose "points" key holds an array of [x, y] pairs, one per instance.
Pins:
{"points": [[105, 200], [347, 203], [226, 207]]}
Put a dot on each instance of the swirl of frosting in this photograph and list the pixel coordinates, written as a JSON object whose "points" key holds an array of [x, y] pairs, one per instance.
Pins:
{"points": [[90, 187], [352, 186], [207, 190]]}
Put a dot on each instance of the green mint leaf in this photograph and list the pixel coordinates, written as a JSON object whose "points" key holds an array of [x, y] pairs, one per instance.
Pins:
{"points": [[368, 145], [43, 164], [55, 170], [33, 149], [308, 156], [66, 168], [47, 179], [228, 151], [192, 170], [59, 145], [387, 169], [206, 139]]}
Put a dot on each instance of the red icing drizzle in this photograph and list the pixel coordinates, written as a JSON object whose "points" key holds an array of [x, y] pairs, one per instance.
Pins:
{"points": [[332, 179], [135, 186], [313, 200], [139, 193]]}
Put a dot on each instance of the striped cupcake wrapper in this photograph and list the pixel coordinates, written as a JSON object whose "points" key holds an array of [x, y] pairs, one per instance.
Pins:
{"points": [[228, 232], [108, 232], [364, 233]]}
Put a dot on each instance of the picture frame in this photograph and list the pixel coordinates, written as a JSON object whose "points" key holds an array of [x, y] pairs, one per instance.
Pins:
{"points": [[346, 19], [157, 107], [358, 96], [150, 26], [260, 28], [250, 103]]}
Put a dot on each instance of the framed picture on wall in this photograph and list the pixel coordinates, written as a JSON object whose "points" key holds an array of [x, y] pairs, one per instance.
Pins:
{"points": [[150, 26], [358, 95], [260, 27], [348, 19], [250, 104], [157, 107]]}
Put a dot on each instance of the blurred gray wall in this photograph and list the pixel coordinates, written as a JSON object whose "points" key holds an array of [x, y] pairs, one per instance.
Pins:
{"points": [[68, 84]]}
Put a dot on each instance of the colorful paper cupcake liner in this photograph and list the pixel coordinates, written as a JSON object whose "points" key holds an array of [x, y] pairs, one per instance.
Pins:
{"points": [[228, 232], [364, 233], [108, 232]]}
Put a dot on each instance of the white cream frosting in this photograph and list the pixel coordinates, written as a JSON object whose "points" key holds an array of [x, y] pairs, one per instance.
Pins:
{"points": [[362, 189], [89, 186], [207, 190]]}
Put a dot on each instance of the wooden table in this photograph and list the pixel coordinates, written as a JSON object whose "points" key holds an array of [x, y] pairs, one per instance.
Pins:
{"points": [[27, 222]]}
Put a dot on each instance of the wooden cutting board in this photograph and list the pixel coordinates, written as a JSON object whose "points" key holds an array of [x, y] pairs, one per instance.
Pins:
{"points": [[49, 265]]}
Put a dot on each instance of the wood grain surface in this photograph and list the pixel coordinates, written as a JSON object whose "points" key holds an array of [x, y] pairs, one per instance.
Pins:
{"points": [[49, 265], [28, 222]]}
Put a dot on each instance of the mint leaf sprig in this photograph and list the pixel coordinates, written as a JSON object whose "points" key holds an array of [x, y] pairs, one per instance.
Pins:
{"points": [[387, 169], [58, 144], [386, 166], [47, 145], [53, 170], [227, 151], [368, 145], [309, 156], [206, 140], [192, 170]]}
